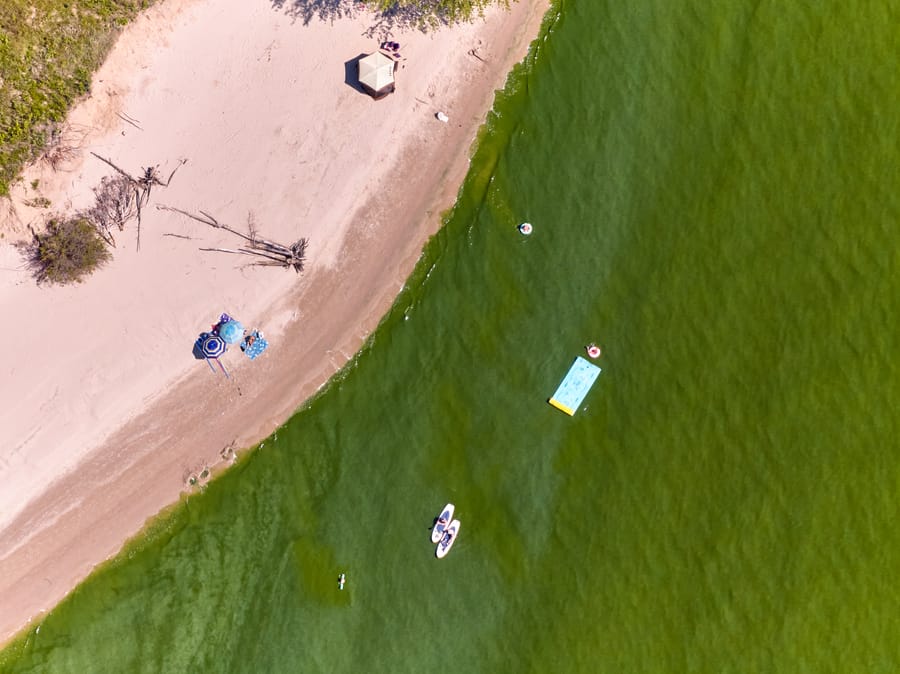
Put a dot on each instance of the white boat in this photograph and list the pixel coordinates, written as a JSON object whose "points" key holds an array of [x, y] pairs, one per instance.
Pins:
{"points": [[437, 532], [450, 536]]}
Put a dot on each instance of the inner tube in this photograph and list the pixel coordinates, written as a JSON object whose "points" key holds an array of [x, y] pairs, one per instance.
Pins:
{"points": [[526, 228], [593, 351]]}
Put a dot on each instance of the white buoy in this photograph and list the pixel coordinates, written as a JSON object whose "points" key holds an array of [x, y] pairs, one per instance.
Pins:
{"points": [[593, 351], [526, 228], [441, 116]]}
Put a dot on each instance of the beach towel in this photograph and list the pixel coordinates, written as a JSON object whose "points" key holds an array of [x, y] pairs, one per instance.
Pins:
{"points": [[259, 345]]}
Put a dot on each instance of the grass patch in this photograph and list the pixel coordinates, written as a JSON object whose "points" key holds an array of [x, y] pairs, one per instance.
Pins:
{"points": [[48, 51]]}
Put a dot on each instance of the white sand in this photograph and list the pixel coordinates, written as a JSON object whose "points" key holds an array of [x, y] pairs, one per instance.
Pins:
{"points": [[104, 412]]}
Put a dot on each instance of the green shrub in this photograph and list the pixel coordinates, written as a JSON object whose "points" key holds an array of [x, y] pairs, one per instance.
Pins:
{"points": [[67, 251]]}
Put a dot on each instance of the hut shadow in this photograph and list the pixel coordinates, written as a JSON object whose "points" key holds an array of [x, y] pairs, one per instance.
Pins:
{"points": [[351, 73]]}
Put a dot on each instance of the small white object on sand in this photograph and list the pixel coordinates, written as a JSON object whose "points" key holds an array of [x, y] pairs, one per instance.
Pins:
{"points": [[441, 116]]}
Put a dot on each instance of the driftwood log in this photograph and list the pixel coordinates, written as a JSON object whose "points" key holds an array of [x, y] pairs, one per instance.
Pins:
{"points": [[269, 253], [119, 199], [114, 205]]}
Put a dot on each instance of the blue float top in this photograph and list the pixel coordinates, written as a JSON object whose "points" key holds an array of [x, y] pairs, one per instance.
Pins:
{"points": [[575, 386]]}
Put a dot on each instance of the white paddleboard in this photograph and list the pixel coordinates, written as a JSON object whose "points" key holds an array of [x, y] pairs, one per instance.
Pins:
{"points": [[437, 533], [450, 536]]}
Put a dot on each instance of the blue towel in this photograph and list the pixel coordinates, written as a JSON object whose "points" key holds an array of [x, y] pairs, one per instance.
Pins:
{"points": [[259, 345]]}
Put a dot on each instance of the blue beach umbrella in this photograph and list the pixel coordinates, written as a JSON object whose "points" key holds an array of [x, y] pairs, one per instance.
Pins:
{"points": [[212, 346], [232, 332]]}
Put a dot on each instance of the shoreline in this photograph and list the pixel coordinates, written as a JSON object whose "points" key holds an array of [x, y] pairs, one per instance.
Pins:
{"points": [[372, 214]]}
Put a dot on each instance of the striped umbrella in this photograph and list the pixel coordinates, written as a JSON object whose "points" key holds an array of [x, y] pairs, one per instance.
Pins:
{"points": [[212, 346]]}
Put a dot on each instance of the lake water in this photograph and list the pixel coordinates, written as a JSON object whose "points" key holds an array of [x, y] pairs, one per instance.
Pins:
{"points": [[714, 194]]}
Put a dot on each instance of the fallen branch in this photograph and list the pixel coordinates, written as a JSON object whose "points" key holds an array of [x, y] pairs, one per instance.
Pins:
{"points": [[114, 205], [141, 186], [130, 120], [212, 222], [273, 254], [110, 162], [63, 144]]}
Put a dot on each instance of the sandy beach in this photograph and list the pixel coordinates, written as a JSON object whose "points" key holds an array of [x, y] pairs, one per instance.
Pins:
{"points": [[105, 414]]}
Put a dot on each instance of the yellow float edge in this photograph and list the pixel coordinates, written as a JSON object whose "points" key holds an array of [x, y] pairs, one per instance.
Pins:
{"points": [[565, 408]]}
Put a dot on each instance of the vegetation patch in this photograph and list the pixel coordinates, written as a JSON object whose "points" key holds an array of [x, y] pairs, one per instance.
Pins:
{"points": [[48, 51], [67, 251], [38, 202]]}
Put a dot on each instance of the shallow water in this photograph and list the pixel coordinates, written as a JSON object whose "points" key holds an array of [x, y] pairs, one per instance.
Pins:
{"points": [[713, 190]]}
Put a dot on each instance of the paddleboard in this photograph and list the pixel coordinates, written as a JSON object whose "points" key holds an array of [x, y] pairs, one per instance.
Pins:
{"points": [[437, 533], [450, 536]]}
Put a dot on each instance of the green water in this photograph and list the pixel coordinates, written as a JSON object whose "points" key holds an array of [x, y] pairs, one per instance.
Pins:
{"points": [[714, 193]]}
